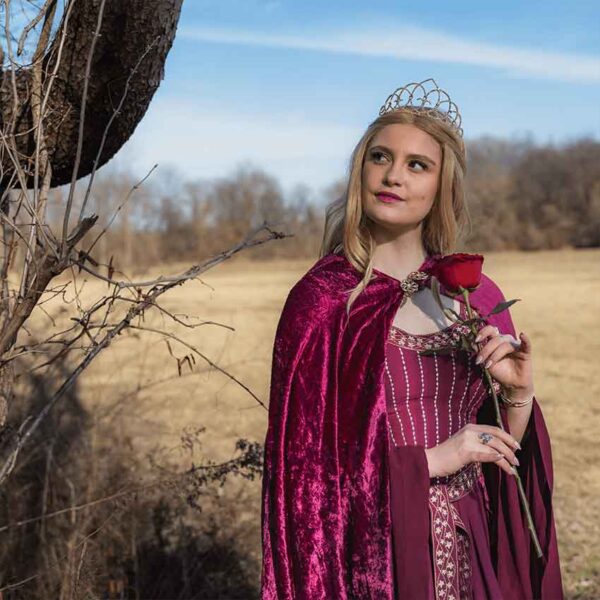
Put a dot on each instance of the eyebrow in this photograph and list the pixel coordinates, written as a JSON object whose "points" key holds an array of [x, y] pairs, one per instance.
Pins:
{"points": [[423, 157]]}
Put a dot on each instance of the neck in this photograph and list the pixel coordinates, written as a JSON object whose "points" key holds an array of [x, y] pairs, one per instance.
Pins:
{"points": [[399, 254]]}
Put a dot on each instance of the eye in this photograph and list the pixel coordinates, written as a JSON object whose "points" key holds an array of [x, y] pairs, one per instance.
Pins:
{"points": [[419, 162], [376, 155]]}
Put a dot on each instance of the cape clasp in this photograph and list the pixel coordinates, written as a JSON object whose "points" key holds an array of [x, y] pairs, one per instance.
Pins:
{"points": [[412, 283]]}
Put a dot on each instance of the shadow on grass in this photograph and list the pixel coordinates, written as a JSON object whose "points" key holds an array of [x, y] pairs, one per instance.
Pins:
{"points": [[169, 542]]}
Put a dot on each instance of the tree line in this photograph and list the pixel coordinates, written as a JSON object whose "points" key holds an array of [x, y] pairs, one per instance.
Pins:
{"points": [[521, 196]]}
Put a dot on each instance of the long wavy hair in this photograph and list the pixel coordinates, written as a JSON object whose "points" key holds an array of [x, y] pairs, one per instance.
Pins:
{"points": [[346, 224]]}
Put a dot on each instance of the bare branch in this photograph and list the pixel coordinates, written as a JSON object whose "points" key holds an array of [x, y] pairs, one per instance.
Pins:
{"points": [[32, 24], [204, 357], [146, 301], [107, 129], [75, 174], [122, 493]]}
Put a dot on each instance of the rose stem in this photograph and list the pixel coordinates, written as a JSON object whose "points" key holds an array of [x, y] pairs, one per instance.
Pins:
{"points": [[522, 496]]}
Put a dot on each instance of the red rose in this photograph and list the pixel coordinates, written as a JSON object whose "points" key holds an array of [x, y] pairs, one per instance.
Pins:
{"points": [[458, 270]]}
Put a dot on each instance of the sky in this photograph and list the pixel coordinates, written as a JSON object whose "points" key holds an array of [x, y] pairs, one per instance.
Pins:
{"points": [[289, 87]]}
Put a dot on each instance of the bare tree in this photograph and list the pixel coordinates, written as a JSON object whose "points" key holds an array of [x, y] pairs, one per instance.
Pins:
{"points": [[555, 190], [65, 113], [92, 81]]}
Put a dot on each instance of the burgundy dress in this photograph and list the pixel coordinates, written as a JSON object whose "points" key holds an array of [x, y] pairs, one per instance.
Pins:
{"points": [[429, 398]]}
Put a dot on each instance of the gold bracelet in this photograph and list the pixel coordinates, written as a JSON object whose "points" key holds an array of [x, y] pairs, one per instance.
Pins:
{"points": [[514, 404]]}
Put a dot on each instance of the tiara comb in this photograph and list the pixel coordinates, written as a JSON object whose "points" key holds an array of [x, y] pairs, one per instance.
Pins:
{"points": [[435, 102]]}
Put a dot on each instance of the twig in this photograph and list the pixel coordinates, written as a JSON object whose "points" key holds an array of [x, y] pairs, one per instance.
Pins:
{"points": [[28, 429], [31, 25], [194, 271], [74, 508], [75, 173], [108, 126], [135, 187], [204, 357], [90, 535]]}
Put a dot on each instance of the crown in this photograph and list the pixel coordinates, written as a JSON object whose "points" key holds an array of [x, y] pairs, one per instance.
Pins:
{"points": [[436, 103]]}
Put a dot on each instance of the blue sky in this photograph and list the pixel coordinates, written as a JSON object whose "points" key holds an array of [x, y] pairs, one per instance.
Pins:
{"points": [[291, 86]]}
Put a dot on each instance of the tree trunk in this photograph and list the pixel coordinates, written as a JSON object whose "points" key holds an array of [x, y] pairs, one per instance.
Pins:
{"points": [[131, 31]]}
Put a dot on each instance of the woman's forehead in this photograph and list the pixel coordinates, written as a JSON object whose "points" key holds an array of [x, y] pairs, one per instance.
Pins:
{"points": [[406, 138]]}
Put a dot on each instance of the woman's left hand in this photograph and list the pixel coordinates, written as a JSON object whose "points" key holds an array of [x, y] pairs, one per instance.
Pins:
{"points": [[508, 360]]}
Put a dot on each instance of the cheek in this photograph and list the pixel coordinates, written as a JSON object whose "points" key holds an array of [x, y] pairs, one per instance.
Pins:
{"points": [[367, 174], [428, 189], [368, 183]]}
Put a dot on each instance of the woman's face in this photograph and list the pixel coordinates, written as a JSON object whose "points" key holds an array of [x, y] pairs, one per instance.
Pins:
{"points": [[405, 161]]}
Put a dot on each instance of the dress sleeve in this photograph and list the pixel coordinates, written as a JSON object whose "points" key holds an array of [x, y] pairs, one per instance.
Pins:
{"points": [[520, 572], [409, 505]]}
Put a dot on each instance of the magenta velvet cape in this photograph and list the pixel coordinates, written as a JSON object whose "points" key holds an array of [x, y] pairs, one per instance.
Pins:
{"points": [[327, 491]]}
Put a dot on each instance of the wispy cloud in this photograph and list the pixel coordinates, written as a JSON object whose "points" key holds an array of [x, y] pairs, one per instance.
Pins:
{"points": [[203, 142], [415, 43]]}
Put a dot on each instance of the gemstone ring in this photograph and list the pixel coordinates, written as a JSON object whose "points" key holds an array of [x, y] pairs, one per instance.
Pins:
{"points": [[485, 437]]}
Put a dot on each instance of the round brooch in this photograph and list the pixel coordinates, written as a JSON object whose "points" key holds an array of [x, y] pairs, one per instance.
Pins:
{"points": [[413, 282]]}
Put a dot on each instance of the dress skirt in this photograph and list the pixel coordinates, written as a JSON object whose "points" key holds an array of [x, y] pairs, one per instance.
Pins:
{"points": [[459, 543]]}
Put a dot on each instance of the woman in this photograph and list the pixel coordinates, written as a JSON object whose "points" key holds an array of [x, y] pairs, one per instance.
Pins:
{"points": [[385, 475]]}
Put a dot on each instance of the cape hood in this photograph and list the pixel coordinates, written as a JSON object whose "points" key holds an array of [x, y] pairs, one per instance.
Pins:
{"points": [[326, 495]]}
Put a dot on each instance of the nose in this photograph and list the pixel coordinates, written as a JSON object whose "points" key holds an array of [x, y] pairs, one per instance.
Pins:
{"points": [[394, 175]]}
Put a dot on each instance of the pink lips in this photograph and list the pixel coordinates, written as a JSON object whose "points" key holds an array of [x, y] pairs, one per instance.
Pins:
{"points": [[389, 198]]}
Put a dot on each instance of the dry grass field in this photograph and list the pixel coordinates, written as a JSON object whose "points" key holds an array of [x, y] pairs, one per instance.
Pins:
{"points": [[559, 309]]}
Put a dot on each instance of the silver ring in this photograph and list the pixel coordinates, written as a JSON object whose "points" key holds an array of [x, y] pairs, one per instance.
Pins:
{"points": [[485, 437]]}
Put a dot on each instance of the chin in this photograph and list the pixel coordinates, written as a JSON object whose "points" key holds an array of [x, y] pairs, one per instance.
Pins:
{"points": [[393, 225], [387, 215]]}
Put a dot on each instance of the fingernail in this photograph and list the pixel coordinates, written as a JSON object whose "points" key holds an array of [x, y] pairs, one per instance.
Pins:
{"points": [[487, 364], [517, 445], [479, 359], [478, 338], [517, 461]]}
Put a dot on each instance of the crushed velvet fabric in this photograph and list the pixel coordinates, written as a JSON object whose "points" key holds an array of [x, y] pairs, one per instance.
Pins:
{"points": [[331, 478]]}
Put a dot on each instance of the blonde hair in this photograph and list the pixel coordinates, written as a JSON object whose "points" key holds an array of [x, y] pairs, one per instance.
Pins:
{"points": [[346, 229]]}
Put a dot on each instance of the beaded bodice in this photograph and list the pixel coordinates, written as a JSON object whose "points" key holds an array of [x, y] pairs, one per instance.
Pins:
{"points": [[430, 397]]}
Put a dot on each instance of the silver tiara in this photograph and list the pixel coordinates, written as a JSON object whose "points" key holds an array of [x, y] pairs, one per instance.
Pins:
{"points": [[435, 102]]}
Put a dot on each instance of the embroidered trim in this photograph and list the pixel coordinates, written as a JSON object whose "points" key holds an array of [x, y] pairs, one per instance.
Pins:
{"points": [[427, 341], [448, 336], [451, 563]]}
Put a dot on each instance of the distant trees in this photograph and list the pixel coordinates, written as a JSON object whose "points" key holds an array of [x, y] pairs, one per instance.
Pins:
{"points": [[488, 187], [555, 194], [170, 219], [527, 197], [520, 196]]}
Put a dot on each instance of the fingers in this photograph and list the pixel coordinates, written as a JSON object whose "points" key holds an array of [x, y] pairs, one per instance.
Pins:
{"points": [[493, 355], [487, 331], [524, 343], [508, 439], [491, 331], [493, 456], [498, 449], [496, 348], [504, 450]]}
